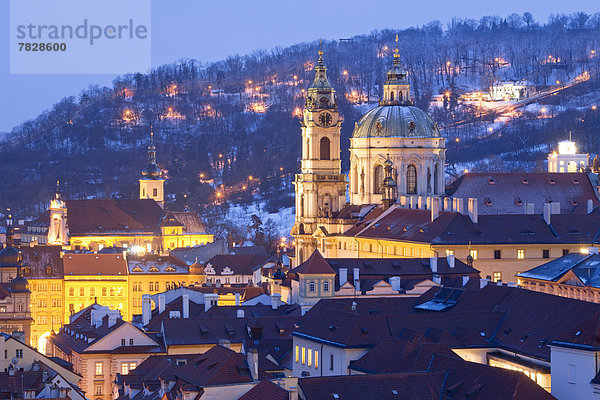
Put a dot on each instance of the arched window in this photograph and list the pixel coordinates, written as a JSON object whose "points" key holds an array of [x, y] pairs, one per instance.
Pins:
{"points": [[326, 286], [411, 179], [378, 179], [436, 179], [400, 96], [324, 148], [311, 286], [392, 96]]}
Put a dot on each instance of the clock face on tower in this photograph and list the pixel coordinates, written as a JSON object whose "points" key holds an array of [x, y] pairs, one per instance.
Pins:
{"points": [[325, 119]]}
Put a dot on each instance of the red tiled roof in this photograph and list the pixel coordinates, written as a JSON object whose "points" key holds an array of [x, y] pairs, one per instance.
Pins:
{"points": [[39, 258], [315, 264], [507, 193], [94, 264], [266, 390], [107, 216]]}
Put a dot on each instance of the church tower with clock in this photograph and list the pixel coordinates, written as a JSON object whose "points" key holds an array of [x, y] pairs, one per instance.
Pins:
{"points": [[320, 187]]}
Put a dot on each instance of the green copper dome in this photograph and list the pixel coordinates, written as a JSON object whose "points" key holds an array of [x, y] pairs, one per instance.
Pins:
{"points": [[395, 121]]}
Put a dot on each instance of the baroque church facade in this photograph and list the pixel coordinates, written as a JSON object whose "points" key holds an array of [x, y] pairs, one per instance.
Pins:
{"points": [[396, 151]]}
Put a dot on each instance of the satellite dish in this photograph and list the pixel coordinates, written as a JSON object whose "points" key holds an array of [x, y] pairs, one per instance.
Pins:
{"points": [[14, 361]]}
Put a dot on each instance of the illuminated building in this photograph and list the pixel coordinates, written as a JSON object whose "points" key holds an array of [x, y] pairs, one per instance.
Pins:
{"points": [[567, 159]]}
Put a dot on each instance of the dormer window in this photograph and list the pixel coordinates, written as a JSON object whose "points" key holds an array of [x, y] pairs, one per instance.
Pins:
{"points": [[311, 286], [326, 286], [48, 270]]}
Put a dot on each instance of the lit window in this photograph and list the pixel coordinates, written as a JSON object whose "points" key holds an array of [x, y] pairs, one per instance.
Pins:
{"points": [[316, 358], [473, 253], [303, 355], [449, 252], [411, 180], [99, 368], [310, 357], [497, 276], [520, 254], [127, 367], [311, 287], [297, 353], [82, 291]]}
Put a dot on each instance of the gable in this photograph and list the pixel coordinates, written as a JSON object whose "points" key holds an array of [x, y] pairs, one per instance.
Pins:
{"points": [[113, 339]]}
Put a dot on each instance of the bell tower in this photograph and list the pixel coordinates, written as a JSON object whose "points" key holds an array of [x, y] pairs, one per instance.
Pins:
{"points": [[320, 187], [152, 185], [58, 231]]}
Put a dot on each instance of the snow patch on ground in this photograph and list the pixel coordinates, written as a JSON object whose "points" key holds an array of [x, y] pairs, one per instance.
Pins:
{"points": [[284, 218]]}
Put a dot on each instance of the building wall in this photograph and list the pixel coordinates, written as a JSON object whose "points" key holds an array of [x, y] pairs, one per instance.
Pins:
{"points": [[341, 358], [572, 371], [83, 290], [47, 305]]}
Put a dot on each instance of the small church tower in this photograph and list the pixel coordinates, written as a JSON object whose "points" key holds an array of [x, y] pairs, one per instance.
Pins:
{"points": [[320, 187], [58, 231], [152, 185]]}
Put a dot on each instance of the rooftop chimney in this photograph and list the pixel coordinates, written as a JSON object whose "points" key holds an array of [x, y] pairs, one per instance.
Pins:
{"points": [[590, 206], [451, 260], [161, 303], [237, 299], [437, 279], [529, 208], [395, 283], [252, 357], [483, 283], [473, 212], [275, 299], [112, 318], [240, 313], [343, 275], [435, 208], [210, 299], [555, 208], [146, 309], [547, 214], [186, 306], [465, 280], [433, 264], [356, 272]]}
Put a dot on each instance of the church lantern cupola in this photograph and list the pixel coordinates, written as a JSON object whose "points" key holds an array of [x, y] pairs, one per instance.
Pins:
{"points": [[389, 184], [152, 183], [396, 89]]}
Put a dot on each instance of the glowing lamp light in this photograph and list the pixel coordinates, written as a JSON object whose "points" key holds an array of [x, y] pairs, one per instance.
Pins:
{"points": [[543, 110], [249, 82], [583, 250], [490, 129], [138, 250], [466, 171], [457, 140], [250, 178], [345, 73], [594, 108]]}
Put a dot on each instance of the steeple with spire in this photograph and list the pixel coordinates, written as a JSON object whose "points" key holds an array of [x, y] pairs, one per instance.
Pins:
{"points": [[396, 89], [320, 187], [152, 183]]}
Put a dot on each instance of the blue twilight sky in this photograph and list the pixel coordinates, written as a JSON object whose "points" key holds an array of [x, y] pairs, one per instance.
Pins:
{"points": [[212, 30]]}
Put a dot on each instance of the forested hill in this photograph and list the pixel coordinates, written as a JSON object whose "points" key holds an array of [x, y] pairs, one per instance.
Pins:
{"points": [[235, 122]]}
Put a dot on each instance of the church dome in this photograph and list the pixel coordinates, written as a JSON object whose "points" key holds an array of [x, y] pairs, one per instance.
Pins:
{"points": [[9, 257], [19, 285], [152, 172], [395, 121]]}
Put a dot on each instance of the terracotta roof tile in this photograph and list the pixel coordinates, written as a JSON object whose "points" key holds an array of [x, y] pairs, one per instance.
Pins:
{"points": [[315, 264]]}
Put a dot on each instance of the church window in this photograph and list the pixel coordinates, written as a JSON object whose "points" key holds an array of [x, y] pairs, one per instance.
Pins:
{"points": [[436, 179], [428, 180], [399, 96], [411, 179], [324, 149], [311, 286], [378, 179], [391, 96], [326, 286]]}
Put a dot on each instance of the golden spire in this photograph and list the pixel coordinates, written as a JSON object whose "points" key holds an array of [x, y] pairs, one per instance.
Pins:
{"points": [[320, 51], [396, 52]]}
